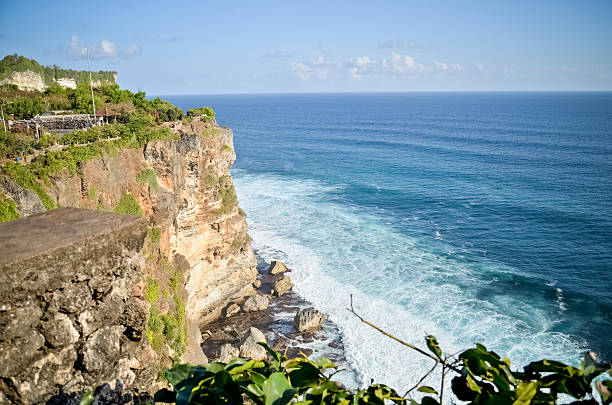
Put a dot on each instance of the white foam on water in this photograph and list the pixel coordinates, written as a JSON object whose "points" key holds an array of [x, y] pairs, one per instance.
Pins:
{"points": [[408, 287]]}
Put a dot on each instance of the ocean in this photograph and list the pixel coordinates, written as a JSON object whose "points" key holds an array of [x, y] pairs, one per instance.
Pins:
{"points": [[474, 217]]}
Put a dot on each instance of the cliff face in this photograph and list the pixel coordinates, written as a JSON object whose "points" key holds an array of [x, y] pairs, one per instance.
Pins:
{"points": [[186, 193], [26, 81]]}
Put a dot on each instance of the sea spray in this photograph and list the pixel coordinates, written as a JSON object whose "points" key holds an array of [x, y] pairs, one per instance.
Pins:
{"points": [[406, 287]]}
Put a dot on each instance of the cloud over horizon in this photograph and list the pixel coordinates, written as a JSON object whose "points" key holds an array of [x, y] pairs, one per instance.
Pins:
{"points": [[393, 65], [105, 50]]}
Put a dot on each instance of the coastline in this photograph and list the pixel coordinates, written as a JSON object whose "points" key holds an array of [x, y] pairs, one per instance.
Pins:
{"points": [[276, 323]]}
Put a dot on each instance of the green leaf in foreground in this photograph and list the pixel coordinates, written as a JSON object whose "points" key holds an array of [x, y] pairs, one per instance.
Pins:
{"points": [[277, 390]]}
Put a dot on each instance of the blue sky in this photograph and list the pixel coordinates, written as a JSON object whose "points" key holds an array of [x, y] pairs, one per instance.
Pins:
{"points": [[202, 47]]}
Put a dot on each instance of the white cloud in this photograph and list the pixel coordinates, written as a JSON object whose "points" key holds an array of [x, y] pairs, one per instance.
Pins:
{"points": [[361, 67], [132, 50], [395, 65], [105, 50], [317, 68], [479, 66], [75, 49], [402, 64], [447, 66], [440, 65]]}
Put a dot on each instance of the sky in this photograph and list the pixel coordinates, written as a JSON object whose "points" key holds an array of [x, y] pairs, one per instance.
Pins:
{"points": [[202, 47]]}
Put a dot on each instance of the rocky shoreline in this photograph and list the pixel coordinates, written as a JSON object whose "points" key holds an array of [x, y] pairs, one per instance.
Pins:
{"points": [[229, 335]]}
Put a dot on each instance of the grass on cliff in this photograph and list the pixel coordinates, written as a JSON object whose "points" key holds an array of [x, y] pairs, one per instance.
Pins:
{"points": [[152, 290], [166, 332], [150, 177], [168, 329], [128, 205], [227, 192], [8, 210], [154, 234], [209, 180]]}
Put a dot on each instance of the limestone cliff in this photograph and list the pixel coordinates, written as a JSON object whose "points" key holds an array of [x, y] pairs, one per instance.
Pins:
{"points": [[185, 191]]}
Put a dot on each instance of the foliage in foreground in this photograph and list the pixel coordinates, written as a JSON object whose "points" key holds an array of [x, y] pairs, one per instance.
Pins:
{"points": [[481, 377]]}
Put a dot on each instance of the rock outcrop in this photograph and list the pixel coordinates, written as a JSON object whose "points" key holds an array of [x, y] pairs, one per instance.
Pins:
{"points": [[277, 267], [282, 286], [26, 200], [256, 302], [69, 316], [249, 349], [308, 319], [227, 353]]}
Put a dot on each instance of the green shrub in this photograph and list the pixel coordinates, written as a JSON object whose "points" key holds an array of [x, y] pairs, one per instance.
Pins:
{"points": [[148, 176], [227, 148], [209, 180], [227, 192], [154, 234], [25, 107], [207, 113], [8, 210], [175, 280], [92, 193], [152, 290], [168, 329], [128, 205], [12, 145]]}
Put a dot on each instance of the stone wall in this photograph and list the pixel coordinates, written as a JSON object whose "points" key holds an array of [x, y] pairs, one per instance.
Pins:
{"points": [[72, 312]]}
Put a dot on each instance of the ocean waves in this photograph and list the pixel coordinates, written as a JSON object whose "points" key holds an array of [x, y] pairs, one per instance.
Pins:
{"points": [[409, 286]]}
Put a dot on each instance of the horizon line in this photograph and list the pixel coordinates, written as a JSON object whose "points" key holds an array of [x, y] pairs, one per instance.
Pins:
{"points": [[379, 92]]}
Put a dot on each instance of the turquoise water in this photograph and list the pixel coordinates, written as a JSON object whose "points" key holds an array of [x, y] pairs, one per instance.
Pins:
{"points": [[471, 216]]}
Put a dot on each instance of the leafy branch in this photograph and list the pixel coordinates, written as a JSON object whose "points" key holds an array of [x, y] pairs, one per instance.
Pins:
{"points": [[481, 377], [484, 378]]}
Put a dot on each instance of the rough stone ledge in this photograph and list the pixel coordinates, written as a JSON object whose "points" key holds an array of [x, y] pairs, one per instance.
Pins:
{"points": [[68, 315], [39, 251], [50, 231]]}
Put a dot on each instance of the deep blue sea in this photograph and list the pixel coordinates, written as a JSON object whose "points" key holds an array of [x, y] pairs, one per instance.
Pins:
{"points": [[470, 216]]}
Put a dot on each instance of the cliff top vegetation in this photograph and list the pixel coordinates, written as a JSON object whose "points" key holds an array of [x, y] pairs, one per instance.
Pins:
{"points": [[136, 120], [17, 63]]}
